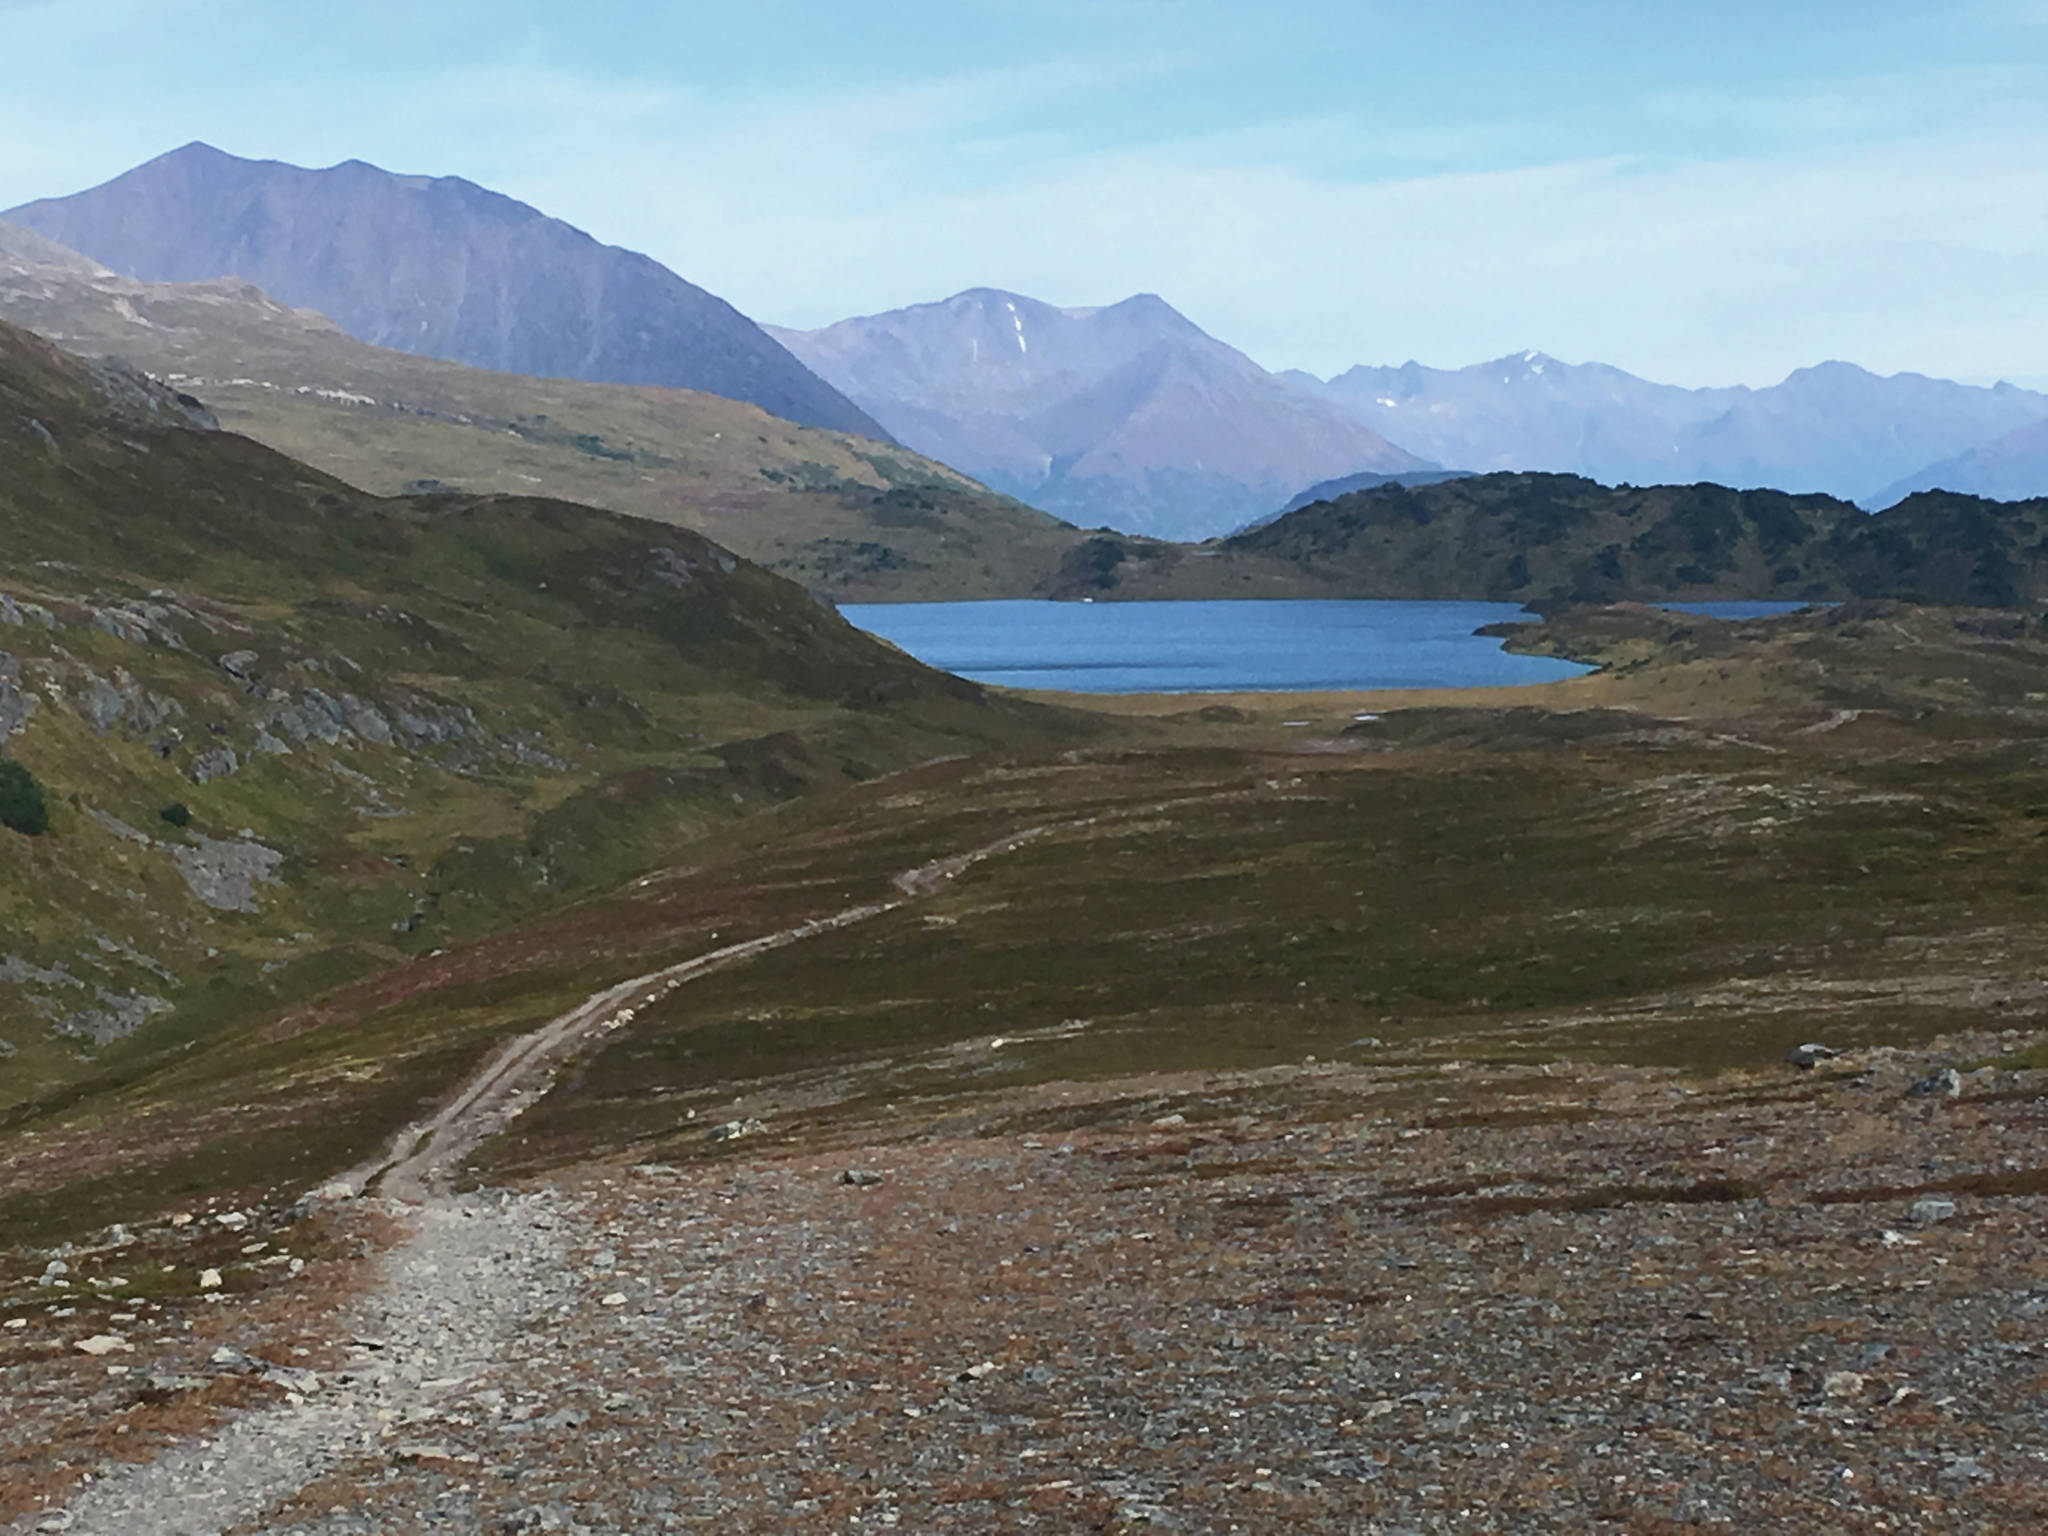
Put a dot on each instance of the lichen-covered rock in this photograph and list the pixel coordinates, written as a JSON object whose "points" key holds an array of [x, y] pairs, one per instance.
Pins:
{"points": [[526, 747], [141, 623], [118, 1016], [225, 874], [217, 764], [21, 614], [22, 973], [122, 625], [120, 700], [15, 706], [429, 724], [316, 717], [366, 720]]}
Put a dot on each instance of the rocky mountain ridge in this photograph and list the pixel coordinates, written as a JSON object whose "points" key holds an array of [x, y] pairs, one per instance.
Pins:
{"points": [[436, 266], [847, 516], [1833, 428], [1127, 415]]}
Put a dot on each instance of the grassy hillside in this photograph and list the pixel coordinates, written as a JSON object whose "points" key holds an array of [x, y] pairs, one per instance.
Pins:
{"points": [[849, 517], [1517, 537], [1733, 838], [288, 733]]}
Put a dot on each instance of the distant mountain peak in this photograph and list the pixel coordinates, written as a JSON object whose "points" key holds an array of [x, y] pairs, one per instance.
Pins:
{"points": [[1528, 364], [435, 266], [1832, 369], [1834, 426], [1127, 414]]}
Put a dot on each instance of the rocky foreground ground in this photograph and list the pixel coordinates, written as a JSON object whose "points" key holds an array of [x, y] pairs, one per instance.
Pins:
{"points": [[1315, 1298]]}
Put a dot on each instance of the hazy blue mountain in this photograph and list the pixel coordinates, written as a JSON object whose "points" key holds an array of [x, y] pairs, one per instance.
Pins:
{"points": [[436, 266], [2009, 468], [1129, 416], [1835, 427], [1343, 485]]}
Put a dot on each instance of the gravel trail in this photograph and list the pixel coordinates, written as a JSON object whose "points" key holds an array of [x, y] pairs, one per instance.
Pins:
{"points": [[476, 1273], [421, 1155]]}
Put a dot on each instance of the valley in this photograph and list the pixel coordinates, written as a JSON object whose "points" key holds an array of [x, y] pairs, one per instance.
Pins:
{"points": [[516, 1016], [1367, 1069]]}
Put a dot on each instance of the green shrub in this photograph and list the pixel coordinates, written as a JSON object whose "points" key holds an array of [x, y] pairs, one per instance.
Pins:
{"points": [[21, 800], [176, 814]]}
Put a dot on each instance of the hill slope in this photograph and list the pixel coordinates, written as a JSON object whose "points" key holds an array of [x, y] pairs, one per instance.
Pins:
{"points": [[290, 733], [435, 266], [847, 516], [1523, 537], [1129, 415], [1834, 428]]}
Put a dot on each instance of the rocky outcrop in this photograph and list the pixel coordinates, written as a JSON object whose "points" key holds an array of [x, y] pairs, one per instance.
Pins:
{"points": [[21, 614], [15, 706], [217, 764], [225, 874], [108, 1015], [116, 1016]]}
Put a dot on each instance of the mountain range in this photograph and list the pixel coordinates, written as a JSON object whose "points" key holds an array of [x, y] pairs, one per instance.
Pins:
{"points": [[1133, 417], [1129, 416], [436, 266], [849, 517], [1834, 428]]}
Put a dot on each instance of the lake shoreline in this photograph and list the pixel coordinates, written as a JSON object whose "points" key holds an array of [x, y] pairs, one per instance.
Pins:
{"points": [[1214, 647]]}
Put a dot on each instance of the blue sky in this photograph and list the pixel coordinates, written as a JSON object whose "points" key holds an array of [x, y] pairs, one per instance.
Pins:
{"points": [[1705, 194]]}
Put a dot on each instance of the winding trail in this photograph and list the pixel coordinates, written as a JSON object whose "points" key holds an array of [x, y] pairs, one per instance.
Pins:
{"points": [[453, 1296], [476, 1274], [415, 1164]]}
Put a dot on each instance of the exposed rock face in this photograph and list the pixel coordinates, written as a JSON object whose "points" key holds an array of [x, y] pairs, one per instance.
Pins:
{"points": [[439, 267], [15, 706], [19, 972], [225, 874], [118, 1016], [217, 764], [108, 1015]]}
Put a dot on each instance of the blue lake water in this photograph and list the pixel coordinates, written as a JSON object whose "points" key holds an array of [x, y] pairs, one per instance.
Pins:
{"points": [[1267, 645], [1210, 647]]}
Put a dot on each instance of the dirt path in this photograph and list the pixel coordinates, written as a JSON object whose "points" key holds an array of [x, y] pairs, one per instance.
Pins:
{"points": [[476, 1271], [419, 1158]]}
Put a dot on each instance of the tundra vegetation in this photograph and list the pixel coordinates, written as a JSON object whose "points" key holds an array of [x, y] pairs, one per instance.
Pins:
{"points": [[1436, 1033]]}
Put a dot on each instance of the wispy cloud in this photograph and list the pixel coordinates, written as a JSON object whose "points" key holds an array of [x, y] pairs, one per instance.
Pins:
{"points": [[1698, 226]]}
